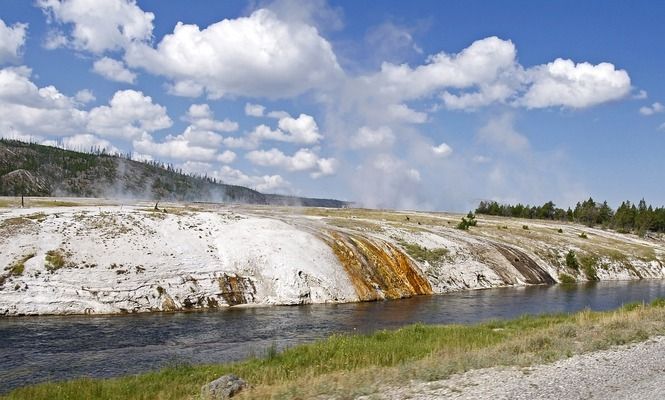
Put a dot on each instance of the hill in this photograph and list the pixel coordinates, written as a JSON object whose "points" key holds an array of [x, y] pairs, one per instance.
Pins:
{"points": [[35, 170]]}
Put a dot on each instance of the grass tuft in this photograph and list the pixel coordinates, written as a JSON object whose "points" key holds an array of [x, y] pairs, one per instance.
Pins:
{"points": [[55, 259], [423, 254]]}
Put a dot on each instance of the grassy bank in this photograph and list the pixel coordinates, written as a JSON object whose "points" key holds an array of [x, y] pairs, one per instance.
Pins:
{"points": [[344, 366]]}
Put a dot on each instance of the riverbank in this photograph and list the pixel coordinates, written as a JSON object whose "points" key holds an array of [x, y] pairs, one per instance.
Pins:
{"points": [[90, 256], [347, 366]]}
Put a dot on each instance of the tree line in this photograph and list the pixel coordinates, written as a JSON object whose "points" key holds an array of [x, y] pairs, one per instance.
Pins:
{"points": [[628, 217]]}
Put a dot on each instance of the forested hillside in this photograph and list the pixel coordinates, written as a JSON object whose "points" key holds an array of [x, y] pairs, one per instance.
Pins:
{"points": [[35, 170]]}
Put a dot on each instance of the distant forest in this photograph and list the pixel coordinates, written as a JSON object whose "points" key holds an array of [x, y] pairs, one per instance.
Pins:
{"points": [[640, 218]]}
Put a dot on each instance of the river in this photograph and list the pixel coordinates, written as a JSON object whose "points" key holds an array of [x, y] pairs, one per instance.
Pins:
{"points": [[36, 349]]}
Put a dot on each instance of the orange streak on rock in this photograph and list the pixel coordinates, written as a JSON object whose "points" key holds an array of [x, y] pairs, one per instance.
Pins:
{"points": [[377, 269]]}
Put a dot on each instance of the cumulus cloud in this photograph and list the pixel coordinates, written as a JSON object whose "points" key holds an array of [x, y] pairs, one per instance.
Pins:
{"points": [[263, 183], [254, 110], [566, 84], [129, 115], [113, 70], [180, 148], [83, 142], [232, 176], [12, 39], [487, 72], [301, 130], [201, 117], [367, 137], [302, 160], [278, 114], [98, 26], [443, 150], [28, 110], [258, 55], [655, 108], [85, 96]]}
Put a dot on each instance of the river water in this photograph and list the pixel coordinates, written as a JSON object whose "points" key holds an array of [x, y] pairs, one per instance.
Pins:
{"points": [[35, 349]]}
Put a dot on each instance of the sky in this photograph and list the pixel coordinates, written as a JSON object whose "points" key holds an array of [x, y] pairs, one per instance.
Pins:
{"points": [[431, 105]]}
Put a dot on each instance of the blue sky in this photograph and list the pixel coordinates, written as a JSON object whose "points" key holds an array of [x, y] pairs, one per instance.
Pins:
{"points": [[428, 104]]}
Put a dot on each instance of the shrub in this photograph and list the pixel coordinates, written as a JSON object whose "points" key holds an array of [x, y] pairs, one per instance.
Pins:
{"points": [[468, 221], [566, 279], [571, 261], [588, 264]]}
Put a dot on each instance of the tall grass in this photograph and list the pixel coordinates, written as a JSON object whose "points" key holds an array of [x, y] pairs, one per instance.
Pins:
{"points": [[349, 365]]}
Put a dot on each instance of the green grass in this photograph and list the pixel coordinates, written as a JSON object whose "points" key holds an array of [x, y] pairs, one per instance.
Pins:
{"points": [[422, 254], [348, 365], [55, 259]]}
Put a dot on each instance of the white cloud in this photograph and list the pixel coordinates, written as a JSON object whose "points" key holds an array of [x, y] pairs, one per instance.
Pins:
{"points": [[55, 39], [113, 70], [487, 72], [259, 55], [185, 88], [367, 137], [443, 150], [655, 108], [141, 157], [402, 113], [264, 183], [99, 26], [129, 115], [203, 138], [201, 117], [483, 61], [12, 39], [83, 142], [85, 96], [227, 157], [278, 114], [254, 110], [27, 110], [174, 148], [302, 160], [302, 130], [566, 84]]}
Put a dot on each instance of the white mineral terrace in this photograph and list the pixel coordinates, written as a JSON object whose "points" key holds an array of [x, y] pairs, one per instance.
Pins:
{"points": [[92, 256]]}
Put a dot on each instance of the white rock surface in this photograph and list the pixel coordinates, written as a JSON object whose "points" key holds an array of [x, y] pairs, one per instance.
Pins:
{"points": [[132, 259]]}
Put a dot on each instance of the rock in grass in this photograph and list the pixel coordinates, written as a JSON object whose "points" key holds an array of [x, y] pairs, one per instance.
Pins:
{"points": [[223, 387]]}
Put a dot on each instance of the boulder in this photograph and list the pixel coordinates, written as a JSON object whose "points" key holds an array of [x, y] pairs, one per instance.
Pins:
{"points": [[223, 387]]}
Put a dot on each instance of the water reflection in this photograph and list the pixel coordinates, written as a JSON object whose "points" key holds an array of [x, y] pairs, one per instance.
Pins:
{"points": [[35, 349]]}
